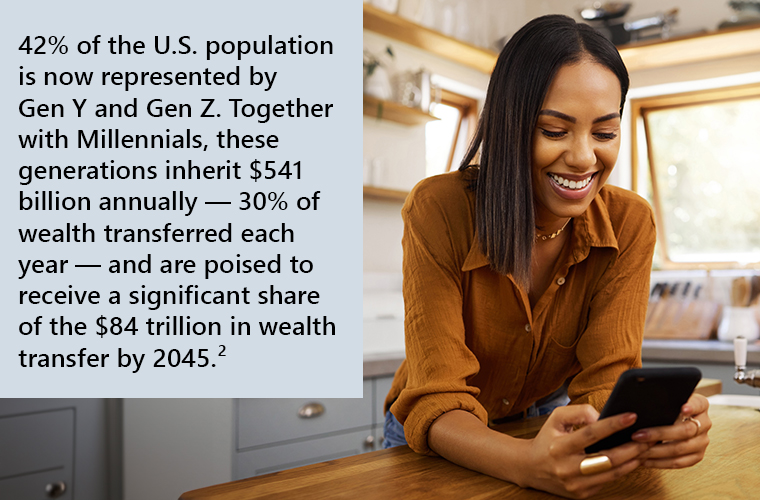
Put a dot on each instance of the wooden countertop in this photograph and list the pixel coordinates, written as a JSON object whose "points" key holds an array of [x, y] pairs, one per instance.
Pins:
{"points": [[729, 470]]}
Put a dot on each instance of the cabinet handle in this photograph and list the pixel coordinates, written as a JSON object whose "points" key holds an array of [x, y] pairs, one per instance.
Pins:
{"points": [[311, 410], [55, 490], [369, 442]]}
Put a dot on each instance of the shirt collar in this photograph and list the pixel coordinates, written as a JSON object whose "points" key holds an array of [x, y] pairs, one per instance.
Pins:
{"points": [[593, 228]]}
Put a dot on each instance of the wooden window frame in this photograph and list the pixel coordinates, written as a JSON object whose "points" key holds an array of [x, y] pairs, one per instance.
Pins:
{"points": [[468, 110], [639, 109]]}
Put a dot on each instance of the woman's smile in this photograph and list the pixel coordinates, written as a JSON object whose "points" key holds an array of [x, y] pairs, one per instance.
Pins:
{"points": [[572, 187]]}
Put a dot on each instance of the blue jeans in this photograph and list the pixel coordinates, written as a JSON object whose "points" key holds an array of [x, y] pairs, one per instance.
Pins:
{"points": [[393, 431]]}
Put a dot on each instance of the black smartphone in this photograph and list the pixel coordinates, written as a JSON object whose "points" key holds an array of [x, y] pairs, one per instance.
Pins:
{"points": [[655, 395]]}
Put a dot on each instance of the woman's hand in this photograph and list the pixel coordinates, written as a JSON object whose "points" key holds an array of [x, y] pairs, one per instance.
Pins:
{"points": [[683, 443], [554, 460]]}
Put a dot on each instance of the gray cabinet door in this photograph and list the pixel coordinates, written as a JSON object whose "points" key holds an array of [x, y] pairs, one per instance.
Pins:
{"points": [[288, 456], [382, 388], [33, 486], [48, 440], [37, 451], [267, 421]]}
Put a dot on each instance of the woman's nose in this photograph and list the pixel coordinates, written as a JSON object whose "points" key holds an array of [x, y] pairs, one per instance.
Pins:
{"points": [[581, 154]]}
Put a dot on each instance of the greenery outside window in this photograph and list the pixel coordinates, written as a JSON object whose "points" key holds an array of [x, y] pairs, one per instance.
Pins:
{"points": [[702, 152]]}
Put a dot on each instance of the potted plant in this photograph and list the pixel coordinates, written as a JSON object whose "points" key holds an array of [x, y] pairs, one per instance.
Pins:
{"points": [[377, 82]]}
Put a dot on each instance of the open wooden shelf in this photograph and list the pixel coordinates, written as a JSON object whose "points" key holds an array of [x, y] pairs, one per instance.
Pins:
{"points": [[400, 29], [377, 193], [395, 112], [731, 42]]}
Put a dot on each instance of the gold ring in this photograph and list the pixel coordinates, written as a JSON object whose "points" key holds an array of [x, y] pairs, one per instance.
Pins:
{"points": [[595, 464], [692, 419]]}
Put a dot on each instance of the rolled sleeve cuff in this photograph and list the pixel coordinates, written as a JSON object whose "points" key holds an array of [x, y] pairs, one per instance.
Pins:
{"points": [[430, 407]]}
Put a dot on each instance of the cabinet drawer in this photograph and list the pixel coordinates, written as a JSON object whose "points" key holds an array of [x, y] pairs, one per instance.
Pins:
{"points": [[265, 421], [288, 456], [36, 442], [378, 436], [382, 388], [32, 486]]}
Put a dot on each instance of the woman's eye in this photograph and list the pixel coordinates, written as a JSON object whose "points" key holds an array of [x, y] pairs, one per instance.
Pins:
{"points": [[607, 136], [553, 135]]}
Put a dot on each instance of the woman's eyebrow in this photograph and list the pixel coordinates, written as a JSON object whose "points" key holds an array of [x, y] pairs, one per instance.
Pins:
{"points": [[604, 118], [572, 119], [561, 116]]}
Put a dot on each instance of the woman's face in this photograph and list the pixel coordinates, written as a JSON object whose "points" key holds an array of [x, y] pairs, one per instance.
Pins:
{"points": [[576, 140]]}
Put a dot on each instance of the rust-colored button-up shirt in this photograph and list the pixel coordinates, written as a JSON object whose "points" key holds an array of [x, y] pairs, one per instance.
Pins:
{"points": [[472, 340]]}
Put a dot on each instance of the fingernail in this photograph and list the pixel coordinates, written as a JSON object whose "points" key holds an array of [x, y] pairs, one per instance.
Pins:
{"points": [[686, 409], [628, 418], [642, 435]]}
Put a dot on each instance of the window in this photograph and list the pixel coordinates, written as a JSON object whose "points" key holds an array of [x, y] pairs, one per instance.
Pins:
{"points": [[702, 152], [446, 140]]}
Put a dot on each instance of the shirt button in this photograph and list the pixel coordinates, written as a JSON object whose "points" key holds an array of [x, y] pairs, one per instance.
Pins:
{"points": [[561, 281], [527, 327], [505, 401]]}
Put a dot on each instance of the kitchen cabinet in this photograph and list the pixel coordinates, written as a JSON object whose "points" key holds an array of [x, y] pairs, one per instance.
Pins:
{"points": [[59, 448], [310, 451], [382, 387], [38, 455], [173, 445], [278, 434]]}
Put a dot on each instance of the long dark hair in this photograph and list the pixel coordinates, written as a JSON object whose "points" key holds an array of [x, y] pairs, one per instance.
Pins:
{"points": [[505, 214]]}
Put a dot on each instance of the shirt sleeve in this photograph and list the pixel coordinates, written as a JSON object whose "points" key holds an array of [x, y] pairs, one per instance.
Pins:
{"points": [[437, 358], [612, 340]]}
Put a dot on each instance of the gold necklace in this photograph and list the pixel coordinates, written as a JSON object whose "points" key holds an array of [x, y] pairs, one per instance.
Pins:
{"points": [[542, 237]]}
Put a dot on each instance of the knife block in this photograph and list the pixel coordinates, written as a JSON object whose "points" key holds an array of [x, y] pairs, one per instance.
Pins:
{"points": [[671, 318]]}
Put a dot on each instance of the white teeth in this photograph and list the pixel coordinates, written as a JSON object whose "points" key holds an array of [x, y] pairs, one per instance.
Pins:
{"points": [[571, 184]]}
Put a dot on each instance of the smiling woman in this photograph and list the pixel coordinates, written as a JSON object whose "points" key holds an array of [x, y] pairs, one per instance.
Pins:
{"points": [[526, 279]]}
